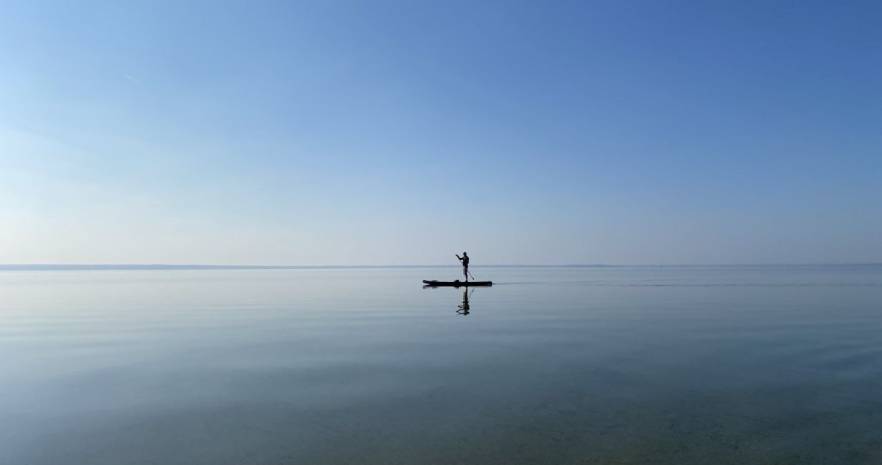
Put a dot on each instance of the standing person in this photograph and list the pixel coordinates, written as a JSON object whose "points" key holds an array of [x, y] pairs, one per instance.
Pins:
{"points": [[465, 264]]}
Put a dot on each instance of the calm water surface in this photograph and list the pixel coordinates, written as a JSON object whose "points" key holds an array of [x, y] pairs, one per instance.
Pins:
{"points": [[617, 365]]}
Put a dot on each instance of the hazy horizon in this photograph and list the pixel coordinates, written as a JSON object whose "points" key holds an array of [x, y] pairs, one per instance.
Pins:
{"points": [[347, 133], [210, 266]]}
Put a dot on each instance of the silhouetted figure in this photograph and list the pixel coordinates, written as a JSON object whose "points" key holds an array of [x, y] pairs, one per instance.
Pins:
{"points": [[465, 264], [464, 308]]}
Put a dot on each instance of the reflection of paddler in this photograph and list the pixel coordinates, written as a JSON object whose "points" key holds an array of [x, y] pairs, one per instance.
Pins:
{"points": [[464, 308]]}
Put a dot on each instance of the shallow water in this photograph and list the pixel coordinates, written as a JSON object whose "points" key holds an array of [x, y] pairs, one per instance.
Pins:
{"points": [[616, 365]]}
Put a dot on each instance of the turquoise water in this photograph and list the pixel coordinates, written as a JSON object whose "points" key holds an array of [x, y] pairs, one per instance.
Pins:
{"points": [[616, 365]]}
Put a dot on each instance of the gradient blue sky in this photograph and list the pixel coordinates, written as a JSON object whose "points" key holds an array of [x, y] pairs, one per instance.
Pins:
{"points": [[372, 132]]}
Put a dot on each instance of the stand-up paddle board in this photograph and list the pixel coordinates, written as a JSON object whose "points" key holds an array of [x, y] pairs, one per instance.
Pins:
{"points": [[456, 283]]}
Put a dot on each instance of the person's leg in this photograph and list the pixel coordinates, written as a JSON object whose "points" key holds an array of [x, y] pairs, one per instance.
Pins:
{"points": [[465, 272]]}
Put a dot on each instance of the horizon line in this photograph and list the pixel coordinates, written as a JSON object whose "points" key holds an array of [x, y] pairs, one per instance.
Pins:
{"points": [[199, 266]]}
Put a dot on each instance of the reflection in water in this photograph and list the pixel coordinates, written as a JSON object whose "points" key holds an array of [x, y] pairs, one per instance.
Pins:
{"points": [[464, 307], [661, 365]]}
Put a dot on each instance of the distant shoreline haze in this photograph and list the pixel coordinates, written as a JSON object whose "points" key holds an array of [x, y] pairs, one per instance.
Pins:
{"points": [[135, 267]]}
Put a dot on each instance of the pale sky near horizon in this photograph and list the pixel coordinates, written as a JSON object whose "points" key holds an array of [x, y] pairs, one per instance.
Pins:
{"points": [[351, 132]]}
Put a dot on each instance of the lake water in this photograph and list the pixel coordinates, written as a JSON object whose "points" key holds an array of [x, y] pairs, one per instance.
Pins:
{"points": [[617, 365]]}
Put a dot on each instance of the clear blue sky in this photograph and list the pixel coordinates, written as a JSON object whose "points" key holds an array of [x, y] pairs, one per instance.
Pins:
{"points": [[372, 132]]}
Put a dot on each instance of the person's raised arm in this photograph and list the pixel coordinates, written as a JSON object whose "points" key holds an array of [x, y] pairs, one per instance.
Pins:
{"points": [[457, 256]]}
